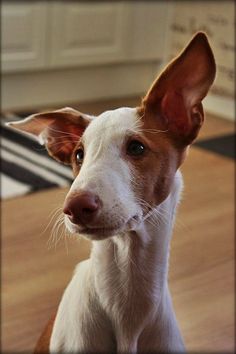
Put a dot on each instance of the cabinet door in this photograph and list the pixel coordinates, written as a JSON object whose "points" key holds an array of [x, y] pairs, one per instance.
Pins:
{"points": [[148, 28], [23, 35], [87, 33]]}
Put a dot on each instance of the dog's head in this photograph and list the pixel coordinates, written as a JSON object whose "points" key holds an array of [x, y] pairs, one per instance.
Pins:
{"points": [[124, 161]]}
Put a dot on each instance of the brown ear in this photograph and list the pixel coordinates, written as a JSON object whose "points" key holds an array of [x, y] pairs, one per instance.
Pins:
{"points": [[59, 130], [175, 97]]}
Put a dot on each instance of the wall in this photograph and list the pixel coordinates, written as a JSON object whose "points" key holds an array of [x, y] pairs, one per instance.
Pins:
{"points": [[217, 19]]}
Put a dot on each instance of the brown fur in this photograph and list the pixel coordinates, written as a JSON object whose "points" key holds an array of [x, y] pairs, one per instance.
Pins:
{"points": [[172, 115], [155, 170], [42, 346]]}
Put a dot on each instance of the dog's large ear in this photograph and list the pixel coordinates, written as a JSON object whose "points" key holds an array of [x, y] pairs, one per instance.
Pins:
{"points": [[175, 97], [59, 130]]}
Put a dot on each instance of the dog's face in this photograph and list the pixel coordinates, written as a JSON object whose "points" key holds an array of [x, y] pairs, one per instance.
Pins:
{"points": [[102, 165], [124, 160], [127, 166]]}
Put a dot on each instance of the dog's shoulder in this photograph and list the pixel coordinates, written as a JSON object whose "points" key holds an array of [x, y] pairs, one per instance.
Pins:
{"points": [[42, 345]]}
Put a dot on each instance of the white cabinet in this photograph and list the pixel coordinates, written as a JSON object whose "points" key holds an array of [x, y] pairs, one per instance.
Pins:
{"points": [[84, 34], [56, 52], [44, 35], [148, 29], [23, 35], [94, 33]]}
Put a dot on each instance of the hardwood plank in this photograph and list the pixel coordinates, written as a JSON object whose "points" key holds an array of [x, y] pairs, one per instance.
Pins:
{"points": [[202, 257]]}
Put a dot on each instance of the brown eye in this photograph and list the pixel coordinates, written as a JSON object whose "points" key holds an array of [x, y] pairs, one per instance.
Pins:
{"points": [[79, 155], [135, 148]]}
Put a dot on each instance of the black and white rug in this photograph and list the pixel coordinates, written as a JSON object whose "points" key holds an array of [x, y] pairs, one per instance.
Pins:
{"points": [[26, 166]]}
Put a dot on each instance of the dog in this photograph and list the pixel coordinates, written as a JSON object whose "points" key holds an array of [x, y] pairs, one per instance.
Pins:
{"points": [[126, 163]]}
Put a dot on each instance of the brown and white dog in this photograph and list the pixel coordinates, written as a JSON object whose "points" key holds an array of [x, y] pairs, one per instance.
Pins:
{"points": [[124, 196]]}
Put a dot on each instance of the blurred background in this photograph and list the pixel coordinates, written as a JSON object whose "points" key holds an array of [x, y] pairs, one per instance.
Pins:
{"points": [[57, 52], [96, 56]]}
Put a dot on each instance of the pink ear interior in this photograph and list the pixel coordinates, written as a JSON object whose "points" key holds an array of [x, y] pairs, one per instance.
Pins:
{"points": [[61, 138], [177, 93], [60, 130]]}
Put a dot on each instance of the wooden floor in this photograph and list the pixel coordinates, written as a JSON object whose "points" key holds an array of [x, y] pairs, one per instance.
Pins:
{"points": [[201, 264]]}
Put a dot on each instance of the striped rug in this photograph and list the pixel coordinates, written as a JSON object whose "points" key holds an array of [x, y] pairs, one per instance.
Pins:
{"points": [[25, 164]]}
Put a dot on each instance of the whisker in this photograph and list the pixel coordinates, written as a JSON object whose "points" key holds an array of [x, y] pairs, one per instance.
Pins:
{"points": [[53, 239], [52, 216]]}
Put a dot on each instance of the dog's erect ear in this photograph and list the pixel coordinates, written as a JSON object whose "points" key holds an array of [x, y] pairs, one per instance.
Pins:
{"points": [[175, 97], [59, 130]]}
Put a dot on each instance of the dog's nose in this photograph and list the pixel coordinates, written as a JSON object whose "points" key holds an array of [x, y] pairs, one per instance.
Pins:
{"points": [[82, 208]]}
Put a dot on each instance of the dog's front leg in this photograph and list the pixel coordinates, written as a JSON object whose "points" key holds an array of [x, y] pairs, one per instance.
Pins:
{"points": [[169, 331], [81, 326], [162, 335], [127, 346]]}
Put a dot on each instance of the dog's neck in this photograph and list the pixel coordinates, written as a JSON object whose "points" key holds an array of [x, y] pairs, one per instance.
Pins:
{"points": [[134, 266]]}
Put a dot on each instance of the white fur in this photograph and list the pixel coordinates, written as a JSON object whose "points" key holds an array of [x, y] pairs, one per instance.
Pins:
{"points": [[103, 141], [118, 300]]}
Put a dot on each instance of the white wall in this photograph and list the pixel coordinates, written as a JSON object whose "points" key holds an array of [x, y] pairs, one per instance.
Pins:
{"points": [[217, 19]]}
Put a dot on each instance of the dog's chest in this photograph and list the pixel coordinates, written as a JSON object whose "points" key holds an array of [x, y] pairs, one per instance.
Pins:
{"points": [[128, 293]]}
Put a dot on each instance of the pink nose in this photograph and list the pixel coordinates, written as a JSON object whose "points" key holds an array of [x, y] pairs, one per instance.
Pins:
{"points": [[82, 207]]}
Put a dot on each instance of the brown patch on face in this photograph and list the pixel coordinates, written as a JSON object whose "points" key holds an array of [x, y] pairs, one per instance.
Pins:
{"points": [[155, 170]]}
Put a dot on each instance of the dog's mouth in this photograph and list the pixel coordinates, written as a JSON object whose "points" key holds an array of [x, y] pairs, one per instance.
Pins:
{"points": [[98, 232]]}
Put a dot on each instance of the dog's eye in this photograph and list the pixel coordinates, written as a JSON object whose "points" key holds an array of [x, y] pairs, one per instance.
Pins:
{"points": [[79, 156], [135, 148]]}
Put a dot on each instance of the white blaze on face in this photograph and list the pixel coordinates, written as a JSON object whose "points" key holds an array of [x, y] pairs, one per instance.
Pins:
{"points": [[105, 172]]}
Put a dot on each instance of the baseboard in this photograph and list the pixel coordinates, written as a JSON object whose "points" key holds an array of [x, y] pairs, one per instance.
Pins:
{"points": [[220, 106], [58, 87]]}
